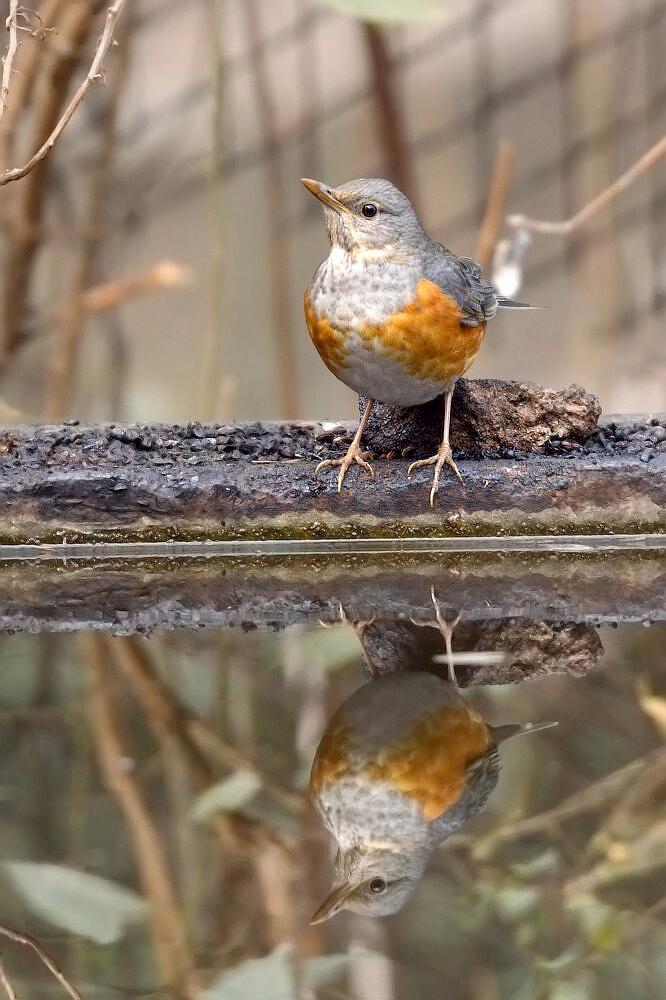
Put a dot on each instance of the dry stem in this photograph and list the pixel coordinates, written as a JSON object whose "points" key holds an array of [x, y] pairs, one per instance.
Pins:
{"points": [[29, 942], [602, 200], [112, 15], [493, 216], [8, 59]]}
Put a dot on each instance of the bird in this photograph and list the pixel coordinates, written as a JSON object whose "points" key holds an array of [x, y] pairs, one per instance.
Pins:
{"points": [[403, 763], [394, 314]]}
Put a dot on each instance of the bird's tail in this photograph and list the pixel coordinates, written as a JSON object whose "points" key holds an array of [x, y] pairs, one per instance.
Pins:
{"points": [[503, 733], [505, 303]]}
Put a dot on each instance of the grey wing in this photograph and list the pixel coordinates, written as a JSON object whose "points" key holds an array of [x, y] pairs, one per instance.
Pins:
{"points": [[461, 278]]}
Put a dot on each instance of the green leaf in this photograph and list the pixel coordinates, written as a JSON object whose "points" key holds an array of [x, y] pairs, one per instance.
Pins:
{"points": [[387, 11], [515, 902], [268, 978], [331, 649], [229, 795], [75, 901]]}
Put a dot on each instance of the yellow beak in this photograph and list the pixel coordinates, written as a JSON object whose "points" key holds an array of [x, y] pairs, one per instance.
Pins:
{"points": [[333, 903], [324, 194]]}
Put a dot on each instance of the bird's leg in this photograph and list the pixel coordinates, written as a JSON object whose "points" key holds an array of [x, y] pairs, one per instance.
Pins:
{"points": [[446, 630], [354, 453], [444, 455]]}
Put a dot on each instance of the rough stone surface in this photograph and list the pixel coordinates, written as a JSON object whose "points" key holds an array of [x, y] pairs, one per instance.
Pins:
{"points": [[129, 596], [532, 648], [489, 417], [258, 480]]}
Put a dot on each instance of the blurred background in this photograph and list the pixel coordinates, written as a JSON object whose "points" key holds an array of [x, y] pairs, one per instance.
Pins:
{"points": [[153, 266], [155, 834]]}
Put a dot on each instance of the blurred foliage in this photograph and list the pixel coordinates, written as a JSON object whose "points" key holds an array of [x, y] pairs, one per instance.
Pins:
{"points": [[388, 11], [74, 901]]}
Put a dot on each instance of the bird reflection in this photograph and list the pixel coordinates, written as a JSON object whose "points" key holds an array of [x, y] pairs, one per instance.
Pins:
{"points": [[403, 764]]}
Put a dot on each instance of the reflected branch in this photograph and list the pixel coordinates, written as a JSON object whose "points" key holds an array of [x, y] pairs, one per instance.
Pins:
{"points": [[6, 984], [594, 797], [194, 736], [168, 931], [27, 941]]}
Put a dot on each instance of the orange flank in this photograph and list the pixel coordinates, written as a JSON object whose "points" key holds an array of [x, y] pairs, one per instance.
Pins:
{"points": [[426, 336], [329, 342], [332, 759], [430, 763]]}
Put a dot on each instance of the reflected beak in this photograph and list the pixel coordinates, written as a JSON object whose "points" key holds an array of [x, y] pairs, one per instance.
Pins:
{"points": [[325, 195], [333, 903]]}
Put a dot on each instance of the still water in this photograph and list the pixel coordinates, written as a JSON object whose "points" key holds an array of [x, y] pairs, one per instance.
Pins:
{"points": [[175, 809]]}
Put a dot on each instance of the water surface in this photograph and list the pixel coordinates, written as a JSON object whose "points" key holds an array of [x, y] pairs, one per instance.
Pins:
{"points": [[157, 837]]}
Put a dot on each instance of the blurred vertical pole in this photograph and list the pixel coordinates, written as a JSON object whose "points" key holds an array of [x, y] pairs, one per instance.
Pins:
{"points": [[395, 147], [212, 353], [64, 371], [285, 354]]}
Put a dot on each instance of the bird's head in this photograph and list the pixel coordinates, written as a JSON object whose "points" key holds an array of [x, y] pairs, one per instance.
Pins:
{"points": [[368, 216], [373, 881]]}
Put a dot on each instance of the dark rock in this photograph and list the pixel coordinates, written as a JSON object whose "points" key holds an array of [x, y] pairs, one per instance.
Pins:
{"points": [[488, 416]]}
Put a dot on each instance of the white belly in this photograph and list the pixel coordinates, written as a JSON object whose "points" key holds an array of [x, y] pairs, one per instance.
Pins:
{"points": [[370, 372]]}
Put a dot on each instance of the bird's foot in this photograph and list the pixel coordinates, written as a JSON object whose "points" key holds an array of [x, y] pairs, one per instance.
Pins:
{"points": [[443, 457], [446, 630], [354, 454]]}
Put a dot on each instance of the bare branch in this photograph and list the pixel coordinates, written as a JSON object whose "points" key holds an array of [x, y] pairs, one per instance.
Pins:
{"points": [[8, 60], [29, 942], [602, 200], [22, 86], [112, 15], [493, 216], [6, 985]]}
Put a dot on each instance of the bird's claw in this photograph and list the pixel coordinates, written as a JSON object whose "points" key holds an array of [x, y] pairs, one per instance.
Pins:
{"points": [[355, 454], [443, 457]]}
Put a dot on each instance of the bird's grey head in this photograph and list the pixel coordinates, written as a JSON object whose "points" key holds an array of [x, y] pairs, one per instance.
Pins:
{"points": [[373, 881], [368, 216]]}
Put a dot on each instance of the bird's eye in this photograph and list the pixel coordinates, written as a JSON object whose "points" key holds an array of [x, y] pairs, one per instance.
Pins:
{"points": [[369, 210], [377, 885]]}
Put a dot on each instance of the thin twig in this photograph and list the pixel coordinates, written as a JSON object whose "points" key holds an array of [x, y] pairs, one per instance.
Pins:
{"points": [[29, 942], [593, 797], [196, 738], [602, 200], [8, 59], [94, 73], [493, 215], [73, 318], [111, 294], [22, 87]]}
